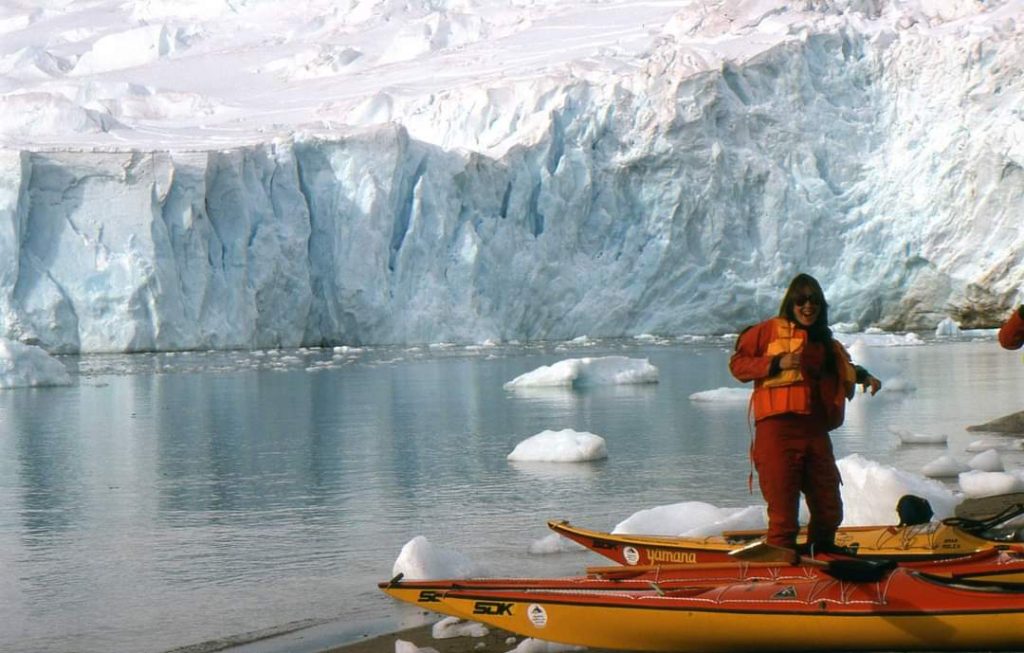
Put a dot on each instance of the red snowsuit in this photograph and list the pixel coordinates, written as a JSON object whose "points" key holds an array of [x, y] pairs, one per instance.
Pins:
{"points": [[794, 410], [1011, 334]]}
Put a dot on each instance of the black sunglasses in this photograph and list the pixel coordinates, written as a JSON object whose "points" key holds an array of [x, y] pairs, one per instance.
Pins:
{"points": [[800, 300]]}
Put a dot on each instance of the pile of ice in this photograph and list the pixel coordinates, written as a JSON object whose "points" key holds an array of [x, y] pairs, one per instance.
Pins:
{"points": [[947, 327], [907, 436], [691, 519], [978, 483], [945, 466], [451, 627], [722, 395], [565, 446], [584, 372], [871, 490], [983, 474], [24, 365], [420, 559]]}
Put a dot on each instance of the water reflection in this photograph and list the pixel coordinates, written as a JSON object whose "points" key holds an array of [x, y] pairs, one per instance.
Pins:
{"points": [[559, 472], [49, 463]]}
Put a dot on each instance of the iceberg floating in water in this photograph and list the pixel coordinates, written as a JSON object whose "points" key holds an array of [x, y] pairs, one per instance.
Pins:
{"points": [[24, 365], [565, 446], [583, 372], [722, 396], [421, 559], [976, 484], [911, 437], [944, 467]]}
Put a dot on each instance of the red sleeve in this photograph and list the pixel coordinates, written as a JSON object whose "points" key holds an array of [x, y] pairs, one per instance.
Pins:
{"points": [[1011, 334], [748, 362]]}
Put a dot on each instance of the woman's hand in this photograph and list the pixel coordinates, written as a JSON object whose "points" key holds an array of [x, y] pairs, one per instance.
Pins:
{"points": [[789, 361], [872, 384]]}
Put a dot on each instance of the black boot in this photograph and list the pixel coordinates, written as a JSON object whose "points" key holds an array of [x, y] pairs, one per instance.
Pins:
{"points": [[831, 548]]}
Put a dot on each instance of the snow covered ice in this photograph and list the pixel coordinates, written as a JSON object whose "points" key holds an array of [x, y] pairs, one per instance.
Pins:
{"points": [[723, 395], [214, 175], [565, 446], [27, 365], [944, 466], [590, 371], [420, 559]]}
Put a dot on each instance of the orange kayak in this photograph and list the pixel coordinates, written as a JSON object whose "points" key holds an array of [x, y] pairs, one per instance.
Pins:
{"points": [[780, 608], [1004, 564]]}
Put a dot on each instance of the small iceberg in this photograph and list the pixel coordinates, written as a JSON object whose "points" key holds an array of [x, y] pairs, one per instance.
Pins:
{"points": [[722, 396], [692, 519], [909, 437], [583, 372], [24, 365], [987, 461], [421, 560], [997, 444], [976, 484], [947, 328], [944, 467], [565, 446]]}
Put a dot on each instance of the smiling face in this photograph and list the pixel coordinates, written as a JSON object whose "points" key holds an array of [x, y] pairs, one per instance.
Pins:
{"points": [[806, 306], [804, 303]]}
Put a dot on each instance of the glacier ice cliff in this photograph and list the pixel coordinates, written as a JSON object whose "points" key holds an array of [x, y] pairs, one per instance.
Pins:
{"points": [[675, 196]]}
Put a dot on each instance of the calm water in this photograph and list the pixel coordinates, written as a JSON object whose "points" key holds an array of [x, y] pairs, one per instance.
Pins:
{"points": [[164, 500]]}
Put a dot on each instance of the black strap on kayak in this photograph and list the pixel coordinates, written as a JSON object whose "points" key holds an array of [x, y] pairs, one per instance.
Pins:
{"points": [[858, 570]]}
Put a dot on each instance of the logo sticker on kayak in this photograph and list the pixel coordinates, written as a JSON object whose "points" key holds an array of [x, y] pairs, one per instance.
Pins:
{"points": [[493, 608], [788, 592], [537, 615], [630, 555], [430, 596], [682, 557]]}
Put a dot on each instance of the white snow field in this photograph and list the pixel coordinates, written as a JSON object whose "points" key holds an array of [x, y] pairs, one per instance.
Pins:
{"points": [[203, 174]]}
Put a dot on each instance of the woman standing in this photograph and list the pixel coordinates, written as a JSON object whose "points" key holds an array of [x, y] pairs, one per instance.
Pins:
{"points": [[802, 379]]}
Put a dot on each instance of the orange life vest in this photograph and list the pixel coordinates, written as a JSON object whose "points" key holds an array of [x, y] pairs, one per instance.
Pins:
{"points": [[789, 392]]}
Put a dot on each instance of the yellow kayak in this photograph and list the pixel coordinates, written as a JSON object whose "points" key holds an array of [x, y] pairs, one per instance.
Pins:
{"points": [[901, 611], [934, 540]]}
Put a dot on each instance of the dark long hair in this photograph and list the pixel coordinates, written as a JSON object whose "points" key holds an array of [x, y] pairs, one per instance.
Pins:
{"points": [[819, 331]]}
